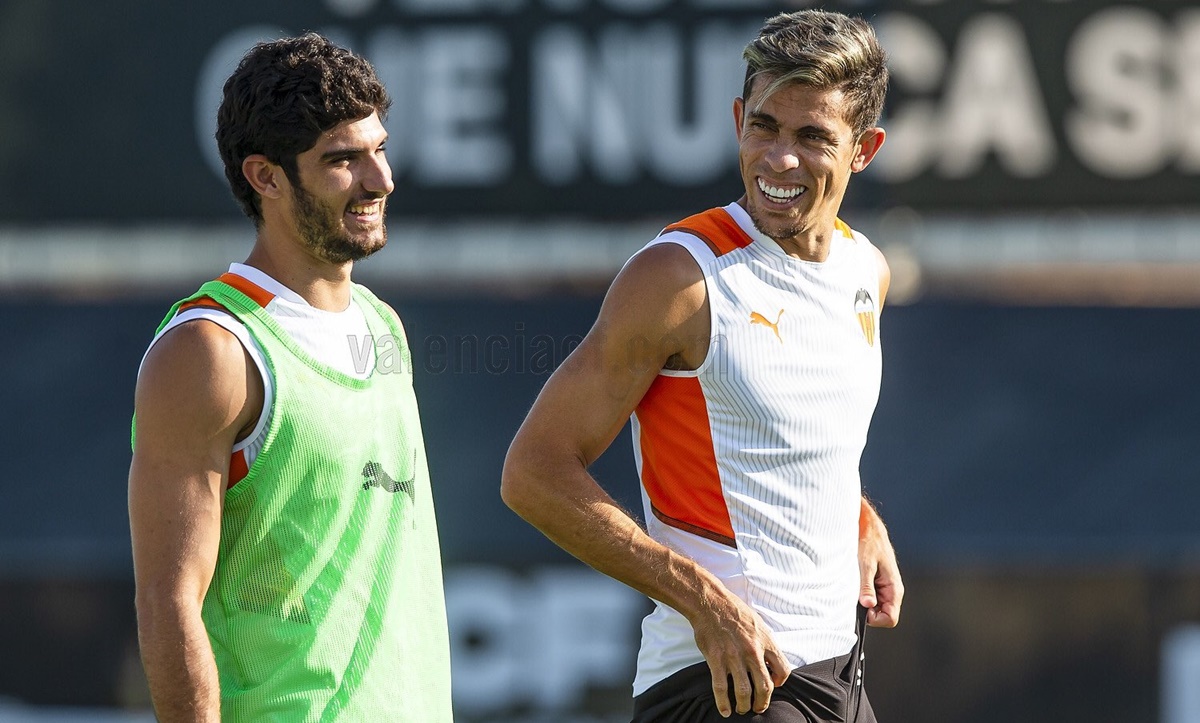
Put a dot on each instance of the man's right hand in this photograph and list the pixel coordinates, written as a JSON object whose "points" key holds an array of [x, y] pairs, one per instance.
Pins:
{"points": [[740, 651]]}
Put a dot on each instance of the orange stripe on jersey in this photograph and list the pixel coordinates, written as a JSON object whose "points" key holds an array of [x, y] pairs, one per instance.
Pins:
{"points": [[257, 294], [679, 466], [203, 302], [716, 228], [237, 468]]}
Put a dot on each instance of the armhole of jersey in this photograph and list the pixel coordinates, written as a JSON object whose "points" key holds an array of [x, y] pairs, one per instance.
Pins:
{"points": [[703, 255], [230, 323]]}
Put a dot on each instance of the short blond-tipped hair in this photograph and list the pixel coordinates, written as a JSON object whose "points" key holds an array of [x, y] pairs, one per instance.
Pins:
{"points": [[822, 50]]}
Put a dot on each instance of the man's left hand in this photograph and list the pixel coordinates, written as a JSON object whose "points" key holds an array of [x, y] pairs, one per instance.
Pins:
{"points": [[881, 591]]}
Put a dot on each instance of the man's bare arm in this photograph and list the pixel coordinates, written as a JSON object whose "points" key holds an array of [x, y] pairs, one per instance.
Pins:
{"points": [[655, 306], [197, 392], [881, 591]]}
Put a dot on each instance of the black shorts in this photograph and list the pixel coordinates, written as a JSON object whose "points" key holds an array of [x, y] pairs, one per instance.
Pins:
{"points": [[828, 691]]}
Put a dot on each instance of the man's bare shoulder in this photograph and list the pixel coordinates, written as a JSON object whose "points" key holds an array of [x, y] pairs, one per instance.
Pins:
{"points": [[659, 301], [201, 367], [195, 344], [663, 280]]}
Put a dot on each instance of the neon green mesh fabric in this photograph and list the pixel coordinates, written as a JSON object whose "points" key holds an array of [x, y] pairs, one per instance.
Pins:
{"points": [[327, 600]]}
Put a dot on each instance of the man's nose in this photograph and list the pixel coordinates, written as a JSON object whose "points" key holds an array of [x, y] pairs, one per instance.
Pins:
{"points": [[379, 178]]}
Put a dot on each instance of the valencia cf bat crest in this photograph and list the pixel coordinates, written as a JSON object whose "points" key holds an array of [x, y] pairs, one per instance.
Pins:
{"points": [[864, 308]]}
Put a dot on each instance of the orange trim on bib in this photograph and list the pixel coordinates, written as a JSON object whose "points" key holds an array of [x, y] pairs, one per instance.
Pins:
{"points": [[716, 228], [203, 302], [237, 468], [257, 294], [679, 464]]}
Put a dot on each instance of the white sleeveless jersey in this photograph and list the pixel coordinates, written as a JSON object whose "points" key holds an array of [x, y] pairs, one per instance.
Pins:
{"points": [[749, 464], [339, 339]]}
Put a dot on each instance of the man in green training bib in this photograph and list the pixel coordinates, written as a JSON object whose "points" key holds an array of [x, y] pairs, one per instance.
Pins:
{"points": [[284, 544]]}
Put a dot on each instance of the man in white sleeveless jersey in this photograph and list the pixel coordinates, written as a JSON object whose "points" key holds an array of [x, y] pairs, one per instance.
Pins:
{"points": [[744, 343]]}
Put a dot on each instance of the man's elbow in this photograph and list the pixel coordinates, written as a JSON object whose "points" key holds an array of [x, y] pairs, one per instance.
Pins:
{"points": [[514, 480], [524, 481], [163, 607]]}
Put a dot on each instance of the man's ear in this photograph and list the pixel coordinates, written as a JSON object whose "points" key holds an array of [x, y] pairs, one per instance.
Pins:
{"points": [[869, 144], [264, 177], [739, 115]]}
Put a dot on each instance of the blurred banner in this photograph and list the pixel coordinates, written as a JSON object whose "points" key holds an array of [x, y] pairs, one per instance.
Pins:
{"points": [[602, 108]]}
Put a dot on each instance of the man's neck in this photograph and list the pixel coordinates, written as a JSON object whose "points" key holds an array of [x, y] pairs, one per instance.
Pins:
{"points": [[324, 285], [808, 244]]}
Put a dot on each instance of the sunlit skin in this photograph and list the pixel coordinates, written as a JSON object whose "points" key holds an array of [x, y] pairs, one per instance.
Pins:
{"points": [[799, 139], [314, 229]]}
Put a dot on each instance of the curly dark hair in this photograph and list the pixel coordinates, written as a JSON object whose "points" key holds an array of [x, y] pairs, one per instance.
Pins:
{"points": [[282, 97], [822, 50]]}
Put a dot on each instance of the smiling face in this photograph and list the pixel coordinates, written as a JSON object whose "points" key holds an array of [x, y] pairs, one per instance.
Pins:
{"points": [[340, 192], [796, 151]]}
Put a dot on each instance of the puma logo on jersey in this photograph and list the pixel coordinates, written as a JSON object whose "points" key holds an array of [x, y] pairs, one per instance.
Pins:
{"points": [[864, 308], [757, 318], [375, 476]]}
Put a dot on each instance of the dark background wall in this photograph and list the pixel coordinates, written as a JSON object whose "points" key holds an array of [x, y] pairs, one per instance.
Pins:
{"points": [[1036, 466]]}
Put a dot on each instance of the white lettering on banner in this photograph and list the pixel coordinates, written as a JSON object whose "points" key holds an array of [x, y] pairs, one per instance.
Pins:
{"points": [[1187, 65], [917, 63], [1121, 128], [619, 107], [630, 101], [461, 140], [576, 107], [445, 122], [542, 639], [444, 125], [1180, 695], [395, 57], [688, 146], [994, 104]]}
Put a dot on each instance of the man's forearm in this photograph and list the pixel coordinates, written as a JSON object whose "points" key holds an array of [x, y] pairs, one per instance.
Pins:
{"points": [[869, 520], [591, 526], [179, 664]]}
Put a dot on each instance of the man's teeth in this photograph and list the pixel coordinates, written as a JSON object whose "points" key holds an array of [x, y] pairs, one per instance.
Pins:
{"points": [[779, 194], [365, 208]]}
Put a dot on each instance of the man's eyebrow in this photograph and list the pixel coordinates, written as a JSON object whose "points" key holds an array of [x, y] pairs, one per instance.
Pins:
{"points": [[760, 115], [342, 152], [349, 150], [819, 130], [768, 118]]}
